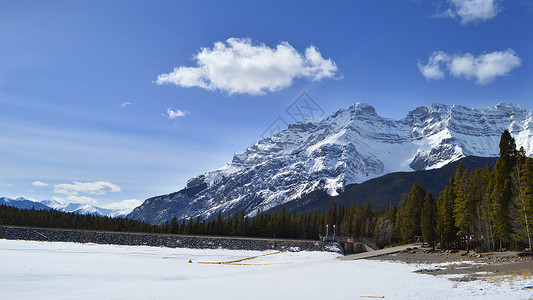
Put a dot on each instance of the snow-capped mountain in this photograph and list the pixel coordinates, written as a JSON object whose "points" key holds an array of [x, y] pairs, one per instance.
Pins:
{"points": [[86, 209], [350, 146], [82, 209], [23, 203]]}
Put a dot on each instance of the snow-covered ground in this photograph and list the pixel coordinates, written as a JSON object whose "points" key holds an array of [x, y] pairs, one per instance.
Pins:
{"points": [[43, 270]]}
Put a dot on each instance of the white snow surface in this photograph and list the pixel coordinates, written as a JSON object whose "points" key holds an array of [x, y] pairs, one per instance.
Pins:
{"points": [[44, 270]]}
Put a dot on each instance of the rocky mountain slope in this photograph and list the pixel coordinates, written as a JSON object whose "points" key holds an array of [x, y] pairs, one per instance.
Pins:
{"points": [[350, 146]]}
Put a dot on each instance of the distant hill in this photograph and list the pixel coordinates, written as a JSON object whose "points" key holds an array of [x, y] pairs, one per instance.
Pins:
{"points": [[82, 209], [386, 190], [23, 203]]}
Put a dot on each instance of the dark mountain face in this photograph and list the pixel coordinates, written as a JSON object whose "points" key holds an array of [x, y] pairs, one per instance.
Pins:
{"points": [[385, 191]]}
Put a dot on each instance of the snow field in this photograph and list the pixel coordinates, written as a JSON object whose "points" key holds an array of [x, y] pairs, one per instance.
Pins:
{"points": [[43, 270]]}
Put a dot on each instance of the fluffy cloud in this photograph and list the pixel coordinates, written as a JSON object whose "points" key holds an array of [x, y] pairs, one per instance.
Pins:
{"points": [[124, 204], [473, 10], [39, 183], [172, 114], [432, 69], [95, 188], [240, 67], [483, 69]]}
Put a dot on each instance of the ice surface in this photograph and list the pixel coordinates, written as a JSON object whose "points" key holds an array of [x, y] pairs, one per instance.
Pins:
{"points": [[43, 270]]}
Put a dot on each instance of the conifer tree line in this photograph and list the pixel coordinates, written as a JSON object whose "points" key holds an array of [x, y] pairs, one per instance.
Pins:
{"points": [[358, 221], [353, 221], [57, 219], [488, 208], [484, 209]]}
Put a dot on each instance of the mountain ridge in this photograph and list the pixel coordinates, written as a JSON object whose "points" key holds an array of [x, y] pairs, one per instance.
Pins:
{"points": [[349, 146], [80, 208]]}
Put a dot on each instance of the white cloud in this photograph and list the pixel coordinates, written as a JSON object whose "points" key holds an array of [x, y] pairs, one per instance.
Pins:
{"points": [[76, 199], [483, 69], [433, 68], [125, 103], [81, 199], [124, 204], [239, 67], [473, 10], [172, 114], [96, 188], [39, 183]]}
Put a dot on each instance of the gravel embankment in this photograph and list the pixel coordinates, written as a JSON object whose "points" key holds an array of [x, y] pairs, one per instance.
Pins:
{"points": [[161, 240]]}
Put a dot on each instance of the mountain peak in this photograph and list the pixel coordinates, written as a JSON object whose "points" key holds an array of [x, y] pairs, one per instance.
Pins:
{"points": [[508, 105], [361, 108]]}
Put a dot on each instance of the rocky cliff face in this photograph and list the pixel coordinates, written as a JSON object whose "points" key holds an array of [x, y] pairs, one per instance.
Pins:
{"points": [[350, 146]]}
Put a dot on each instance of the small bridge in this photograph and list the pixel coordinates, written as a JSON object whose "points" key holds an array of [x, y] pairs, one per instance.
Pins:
{"points": [[351, 245]]}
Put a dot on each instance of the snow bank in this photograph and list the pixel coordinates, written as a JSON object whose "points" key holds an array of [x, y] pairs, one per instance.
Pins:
{"points": [[43, 270]]}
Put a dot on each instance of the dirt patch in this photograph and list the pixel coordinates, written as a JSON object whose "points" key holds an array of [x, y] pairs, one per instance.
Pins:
{"points": [[463, 266]]}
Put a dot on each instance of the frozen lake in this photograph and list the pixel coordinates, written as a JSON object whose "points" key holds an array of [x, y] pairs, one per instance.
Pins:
{"points": [[43, 270]]}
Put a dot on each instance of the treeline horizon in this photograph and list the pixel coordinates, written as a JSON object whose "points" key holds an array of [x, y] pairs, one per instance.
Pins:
{"points": [[485, 209]]}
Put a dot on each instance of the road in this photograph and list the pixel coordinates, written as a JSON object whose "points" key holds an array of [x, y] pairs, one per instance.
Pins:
{"points": [[379, 252]]}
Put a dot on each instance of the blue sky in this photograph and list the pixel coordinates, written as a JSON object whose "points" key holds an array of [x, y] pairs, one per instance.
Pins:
{"points": [[105, 101]]}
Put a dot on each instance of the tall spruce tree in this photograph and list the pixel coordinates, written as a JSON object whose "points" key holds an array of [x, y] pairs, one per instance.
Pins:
{"points": [[429, 220], [445, 221], [526, 199], [410, 213], [503, 191], [465, 202]]}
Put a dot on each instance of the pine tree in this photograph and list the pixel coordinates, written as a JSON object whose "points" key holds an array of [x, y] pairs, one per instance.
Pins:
{"points": [[383, 231], [445, 221], [464, 206], [526, 199], [504, 189], [429, 220], [174, 226], [410, 213]]}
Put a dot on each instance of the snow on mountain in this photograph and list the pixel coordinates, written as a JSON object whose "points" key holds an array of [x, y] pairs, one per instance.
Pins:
{"points": [[89, 209], [86, 209], [53, 204], [23, 203], [82, 209], [350, 146]]}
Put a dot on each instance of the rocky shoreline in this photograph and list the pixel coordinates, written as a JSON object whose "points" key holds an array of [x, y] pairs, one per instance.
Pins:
{"points": [[161, 240]]}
